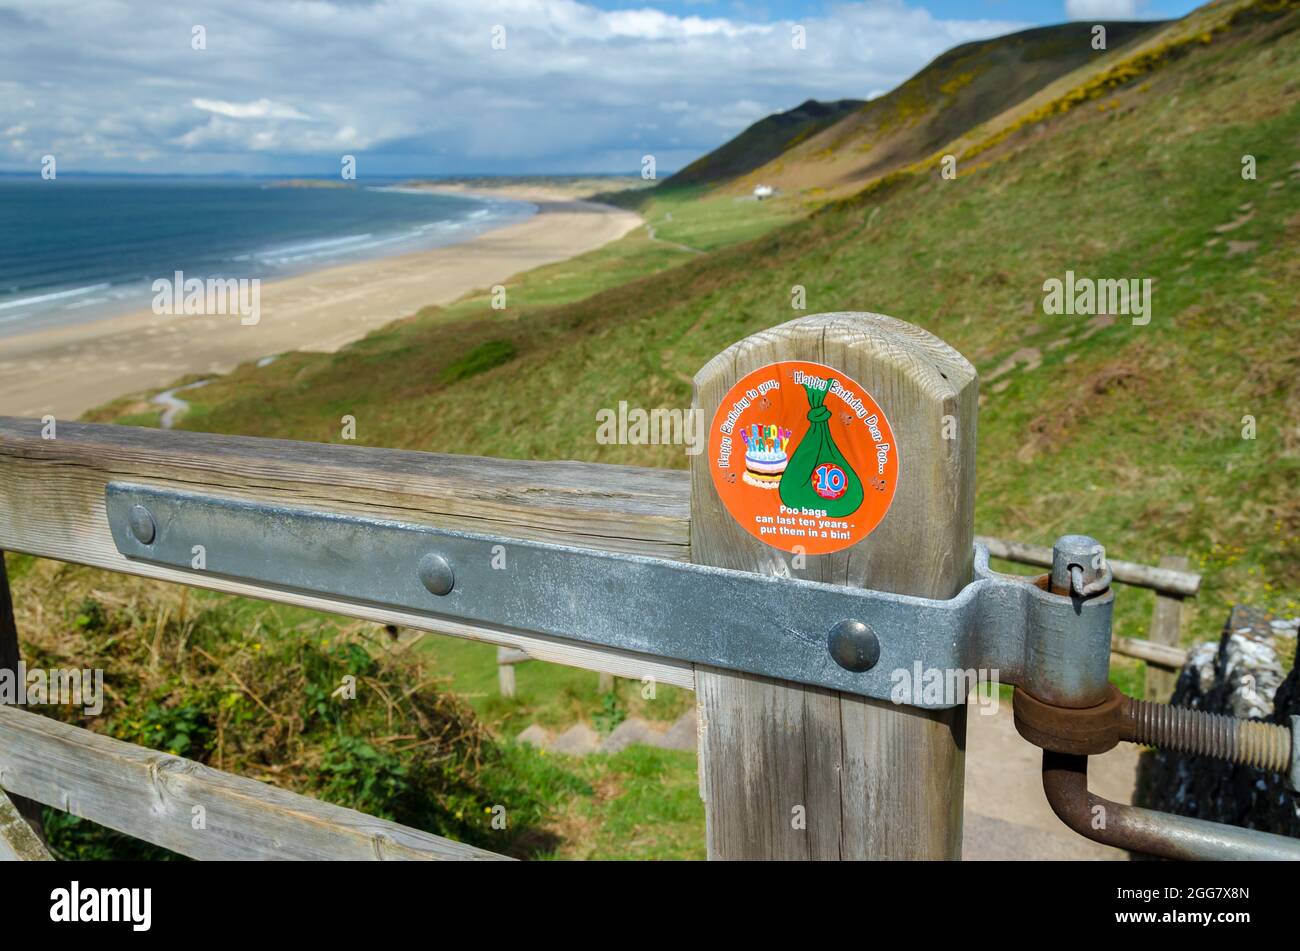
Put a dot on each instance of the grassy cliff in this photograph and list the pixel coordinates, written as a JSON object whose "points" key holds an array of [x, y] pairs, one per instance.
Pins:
{"points": [[764, 141], [958, 91]]}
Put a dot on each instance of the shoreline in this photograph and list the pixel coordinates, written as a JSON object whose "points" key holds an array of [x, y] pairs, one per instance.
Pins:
{"points": [[65, 371], [270, 259]]}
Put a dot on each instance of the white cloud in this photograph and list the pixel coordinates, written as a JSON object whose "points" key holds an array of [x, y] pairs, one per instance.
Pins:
{"points": [[417, 86], [654, 25], [1101, 9], [262, 109]]}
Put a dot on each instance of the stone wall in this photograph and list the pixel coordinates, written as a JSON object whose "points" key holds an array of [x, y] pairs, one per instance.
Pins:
{"points": [[1241, 675]]}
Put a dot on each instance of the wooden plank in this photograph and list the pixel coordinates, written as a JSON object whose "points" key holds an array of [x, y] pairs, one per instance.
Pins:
{"points": [[1155, 655], [1164, 578], [506, 680], [52, 505], [874, 780], [1166, 630], [18, 840], [153, 796], [510, 656], [506, 659]]}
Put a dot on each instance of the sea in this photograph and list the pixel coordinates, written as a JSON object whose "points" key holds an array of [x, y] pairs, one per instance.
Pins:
{"points": [[76, 249]]}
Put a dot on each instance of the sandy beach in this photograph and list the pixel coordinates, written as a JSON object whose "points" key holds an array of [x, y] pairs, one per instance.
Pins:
{"points": [[65, 371]]}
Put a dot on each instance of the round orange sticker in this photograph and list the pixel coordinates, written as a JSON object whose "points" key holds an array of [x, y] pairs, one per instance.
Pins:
{"points": [[803, 457]]}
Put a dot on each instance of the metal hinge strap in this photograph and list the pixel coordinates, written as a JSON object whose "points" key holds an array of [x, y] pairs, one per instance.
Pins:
{"points": [[789, 629]]}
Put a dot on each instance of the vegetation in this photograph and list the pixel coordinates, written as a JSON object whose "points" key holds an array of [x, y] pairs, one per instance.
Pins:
{"points": [[961, 89], [765, 140], [1136, 433], [336, 709]]}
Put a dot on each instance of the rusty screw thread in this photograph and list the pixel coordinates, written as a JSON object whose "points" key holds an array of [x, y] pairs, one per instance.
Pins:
{"points": [[1248, 742]]}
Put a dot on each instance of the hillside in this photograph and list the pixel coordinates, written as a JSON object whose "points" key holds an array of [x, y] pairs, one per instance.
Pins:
{"points": [[1134, 433], [764, 141], [960, 89]]}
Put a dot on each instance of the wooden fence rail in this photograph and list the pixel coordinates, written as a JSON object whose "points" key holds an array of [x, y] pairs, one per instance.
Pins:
{"points": [[1163, 656], [19, 841], [191, 808], [52, 497]]}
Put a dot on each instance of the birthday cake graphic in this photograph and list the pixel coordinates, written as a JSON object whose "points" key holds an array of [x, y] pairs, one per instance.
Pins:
{"points": [[765, 455]]}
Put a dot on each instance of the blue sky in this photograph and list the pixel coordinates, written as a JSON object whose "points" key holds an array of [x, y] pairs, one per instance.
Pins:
{"points": [[412, 87]]}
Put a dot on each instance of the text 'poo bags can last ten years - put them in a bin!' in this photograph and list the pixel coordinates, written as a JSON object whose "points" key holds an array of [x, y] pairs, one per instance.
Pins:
{"points": [[803, 457]]}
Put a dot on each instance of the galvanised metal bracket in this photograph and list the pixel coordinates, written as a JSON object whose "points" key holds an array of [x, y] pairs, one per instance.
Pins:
{"points": [[859, 641]]}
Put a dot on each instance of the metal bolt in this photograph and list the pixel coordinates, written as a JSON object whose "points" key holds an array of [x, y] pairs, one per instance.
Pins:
{"points": [[1185, 730], [853, 645], [1079, 566], [436, 574], [142, 525]]}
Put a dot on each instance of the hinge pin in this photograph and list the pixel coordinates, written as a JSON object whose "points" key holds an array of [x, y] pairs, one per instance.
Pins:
{"points": [[1079, 566]]}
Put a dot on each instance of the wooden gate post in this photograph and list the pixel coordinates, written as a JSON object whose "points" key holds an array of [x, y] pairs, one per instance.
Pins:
{"points": [[796, 772]]}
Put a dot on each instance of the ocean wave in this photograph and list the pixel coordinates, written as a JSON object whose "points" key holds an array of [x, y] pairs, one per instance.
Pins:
{"points": [[309, 246], [53, 296]]}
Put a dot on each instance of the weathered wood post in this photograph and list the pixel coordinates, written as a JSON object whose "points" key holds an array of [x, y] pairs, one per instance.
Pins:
{"points": [[796, 772], [1166, 628], [506, 671]]}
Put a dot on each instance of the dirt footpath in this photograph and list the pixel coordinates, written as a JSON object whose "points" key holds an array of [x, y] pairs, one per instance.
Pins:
{"points": [[1007, 815]]}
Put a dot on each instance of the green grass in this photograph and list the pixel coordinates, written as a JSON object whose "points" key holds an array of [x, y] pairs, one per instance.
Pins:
{"points": [[250, 688], [956, 92], [482, 358], [552, 695], [705, 222], [643, 804]]}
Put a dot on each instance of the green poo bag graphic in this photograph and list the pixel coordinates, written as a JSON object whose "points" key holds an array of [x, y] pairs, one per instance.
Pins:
{"points": [[818, 476]]}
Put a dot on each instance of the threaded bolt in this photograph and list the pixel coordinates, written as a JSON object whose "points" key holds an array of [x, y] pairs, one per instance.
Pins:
{"points": [[1248, 742]]}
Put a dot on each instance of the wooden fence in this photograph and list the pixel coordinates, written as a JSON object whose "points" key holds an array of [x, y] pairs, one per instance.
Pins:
{"points": [[786, 770]]}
